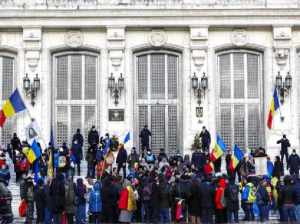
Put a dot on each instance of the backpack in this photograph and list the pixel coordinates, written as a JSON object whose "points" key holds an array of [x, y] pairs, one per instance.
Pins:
{"points": [[30, 194], [223, 199], [252, 194], [147, 192], [62, 161], [234, 193]]}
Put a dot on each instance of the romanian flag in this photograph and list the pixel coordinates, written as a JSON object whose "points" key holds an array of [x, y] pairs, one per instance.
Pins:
{"points": [[34, 152], [13, 105], [126, 139], [218, 150], [235, 158], [273, 108]]}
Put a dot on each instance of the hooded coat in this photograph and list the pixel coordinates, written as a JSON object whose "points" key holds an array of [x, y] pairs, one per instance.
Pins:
{"points": [[70, 196], [79, 191], [278, 168], [40, 197], [107, 196], [207, 195], [221, 189], [164, 195], [231, 205], [57, 189], [95, 203], [194, 201]]}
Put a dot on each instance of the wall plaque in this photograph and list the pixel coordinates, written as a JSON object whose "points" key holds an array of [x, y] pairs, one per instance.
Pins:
{"points": [[116, 115]]}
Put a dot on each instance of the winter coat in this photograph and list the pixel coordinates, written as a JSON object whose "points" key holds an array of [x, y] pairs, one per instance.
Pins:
{"points": [[132, 159], [42, 166], [93, 137], [57, 188], [294, 162], [95, 205], [278, 168], [207, 195], [194, 201], [217, 164], [150, 158], [161, 155], [122, 156], [196, 159], [285, 143], [79, 139], [205, 137], [5, 176], [26, 186], [231, 205], [245, 193], [287, 195], [107, 196], [116, 194], [180, 190], [70, 197], [251, 168], [145, 136], [49, 202], [297, 189], [15, 143], [164, 195], [40, 198], [91, 159], [262, 191], [154, 194], [221, 189], [76, 149], [80, 192]]}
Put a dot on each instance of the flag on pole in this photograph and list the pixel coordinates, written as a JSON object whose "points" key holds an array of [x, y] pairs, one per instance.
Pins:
{"points": [[34, 151], [33, 131], [218, 150], [107, 145], [126, 139], [274, 106], [13, 105], [52, 137], [37, 173], [235, 158], [50, 167]]}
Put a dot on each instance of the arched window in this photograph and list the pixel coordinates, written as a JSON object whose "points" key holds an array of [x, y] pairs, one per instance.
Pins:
{"points": [[7, 82], [75, 100], [239, 99]]}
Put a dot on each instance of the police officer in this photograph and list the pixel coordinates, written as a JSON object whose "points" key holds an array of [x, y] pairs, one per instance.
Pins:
{"points": [[205, 139], [145, 133]]}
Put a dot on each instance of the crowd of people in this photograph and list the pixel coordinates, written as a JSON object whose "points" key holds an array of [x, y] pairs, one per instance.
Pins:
{"points": [[150, 188]]}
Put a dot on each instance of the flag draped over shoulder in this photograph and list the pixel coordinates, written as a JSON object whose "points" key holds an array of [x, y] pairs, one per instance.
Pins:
{"points": [[126, 139], [13, 105], [273, 108], [235, 158], [218, 150]]}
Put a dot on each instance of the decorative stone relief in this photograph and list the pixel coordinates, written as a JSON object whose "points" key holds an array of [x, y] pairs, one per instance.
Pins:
{"points": [[239, 37], [74, 39], [157, 38], [282, 43], [32, 37]]}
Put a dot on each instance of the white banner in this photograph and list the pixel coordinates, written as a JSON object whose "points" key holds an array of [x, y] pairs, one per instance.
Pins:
{"points": [[32, 132]]}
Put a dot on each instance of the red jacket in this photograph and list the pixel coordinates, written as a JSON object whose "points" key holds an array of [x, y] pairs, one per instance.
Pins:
{"points": [[222, 186]]}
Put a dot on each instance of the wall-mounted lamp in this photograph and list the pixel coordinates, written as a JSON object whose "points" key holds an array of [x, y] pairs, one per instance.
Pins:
{"points": [[116, 88], [31, 89], [199, 87], [283, 87]]}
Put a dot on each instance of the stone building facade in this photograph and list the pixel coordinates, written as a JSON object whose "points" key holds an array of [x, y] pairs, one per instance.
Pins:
{"points": [[75, 46]]}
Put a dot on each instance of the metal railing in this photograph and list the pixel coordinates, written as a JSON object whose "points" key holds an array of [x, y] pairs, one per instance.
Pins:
{"points": [[237, 2], [76, 2], [156, 2]]}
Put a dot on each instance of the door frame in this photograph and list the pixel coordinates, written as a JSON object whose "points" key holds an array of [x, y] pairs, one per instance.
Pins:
{"points": [[179, 99]]}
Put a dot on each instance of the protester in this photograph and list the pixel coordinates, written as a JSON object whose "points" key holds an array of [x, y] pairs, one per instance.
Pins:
{"points": [[145, 134], [294, 163], [121, 161], [205, 139], [40, 201], [287, 196], [195, 203], [133, 158], [263, 199], [278, 168], [232, 200], [77, 151], [69, 204], [95, 204], [164, 200], [93, 137], [221, 202], [207, 199], [285, 143], [79, 201]]}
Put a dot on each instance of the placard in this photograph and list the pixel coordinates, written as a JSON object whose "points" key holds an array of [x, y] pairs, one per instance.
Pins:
{"points": [[261, 167], [116, 115]]}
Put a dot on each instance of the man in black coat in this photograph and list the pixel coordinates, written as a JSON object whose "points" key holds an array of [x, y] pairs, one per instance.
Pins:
{"points": [[78, 136], [15, 143], [227, 160], [152, 205], [294, 163], [285, 143], [145, 134], [107, 199], [57, 190], [121, 161], [287, 196], [197, 159], [232, 200], [205, 138], [207, 196], [93, 137], [40, 201], [77, 152]]}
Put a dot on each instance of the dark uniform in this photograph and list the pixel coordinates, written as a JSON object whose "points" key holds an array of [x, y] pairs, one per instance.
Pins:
{"points": [[205, 139]]}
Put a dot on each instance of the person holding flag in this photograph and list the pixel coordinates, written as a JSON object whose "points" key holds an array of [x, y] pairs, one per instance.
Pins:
{"points": [[122, 156], [235, 158]]}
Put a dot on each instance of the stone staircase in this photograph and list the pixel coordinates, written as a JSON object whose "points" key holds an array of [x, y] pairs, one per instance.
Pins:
{"points": [[16, 192]]}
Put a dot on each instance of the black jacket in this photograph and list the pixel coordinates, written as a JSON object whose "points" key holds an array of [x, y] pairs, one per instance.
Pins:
{"points": [[15, 142], [164, 196], [231, 205], [79, 192], [116, 194], [145, 135], [107, 195], [57, 188], [79, 138], [294, 162], [40, 198], [122, 156], [278, 169], [227, 159], [93, 137], [27, 185], [205, 137], [195, 202], [207, 195], [154, 194], [197, 159], [287, 194], [285, 143], [263, 194]]}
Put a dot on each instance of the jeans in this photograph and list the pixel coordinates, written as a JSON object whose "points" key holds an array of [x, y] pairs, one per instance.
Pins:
{"points": [[151, 213], [91, 172], [163, 215], [70, 173], [207, 215], [79, 210], [84, 212], [249, 211], [96, 217], [57, 217], [263, 213], [297, 212], [235, 213], [143, 212], [48, 216], [288, 213]]}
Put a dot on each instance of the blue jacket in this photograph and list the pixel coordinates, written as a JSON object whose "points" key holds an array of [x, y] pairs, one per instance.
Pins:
{"points": [[294, 162], [76, 149], [80, 192], [196, 159], [263, 194], [95, 204], [56, 155]]}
